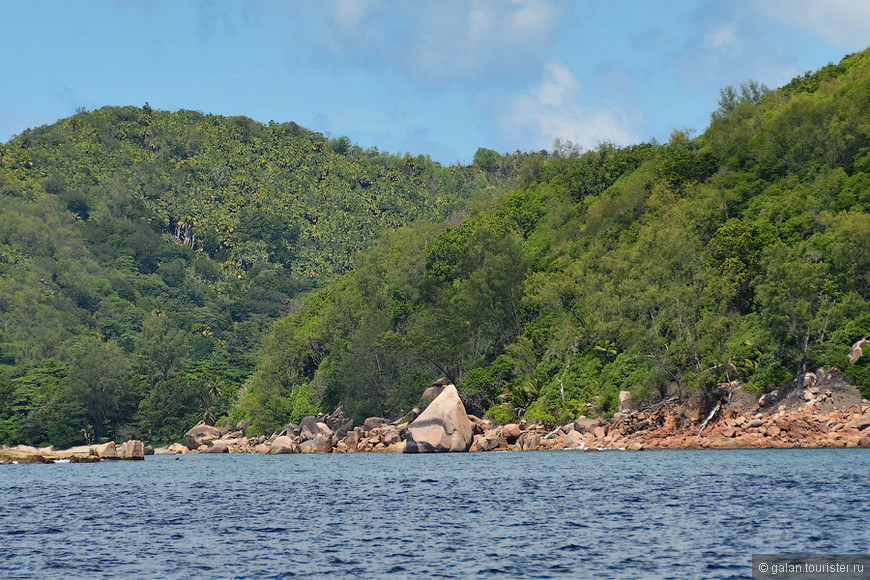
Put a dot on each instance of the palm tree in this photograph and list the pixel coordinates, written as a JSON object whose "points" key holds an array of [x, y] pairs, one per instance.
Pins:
{"points": [[519, 396]]}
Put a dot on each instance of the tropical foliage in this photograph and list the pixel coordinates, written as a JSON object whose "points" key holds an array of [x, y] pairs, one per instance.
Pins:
{"points": [[160, 268], [743, 254], [161, 245]]}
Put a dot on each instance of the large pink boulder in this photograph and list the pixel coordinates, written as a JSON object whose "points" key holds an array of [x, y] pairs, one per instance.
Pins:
{"points": [[201, 434], [319, 444], [282, 445], [132, 449], [105, 450], [443, 426]]}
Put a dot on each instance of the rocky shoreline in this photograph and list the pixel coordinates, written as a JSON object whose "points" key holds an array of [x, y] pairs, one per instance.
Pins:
{"points": [[823, 411], [130, 450]]}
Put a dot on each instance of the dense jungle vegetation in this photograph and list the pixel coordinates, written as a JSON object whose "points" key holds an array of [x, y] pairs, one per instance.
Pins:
{"points": [[158, 268], [143, 253]]}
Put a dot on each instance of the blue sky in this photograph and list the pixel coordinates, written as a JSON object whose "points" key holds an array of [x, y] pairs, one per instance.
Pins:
{"points": [[440, 78]]}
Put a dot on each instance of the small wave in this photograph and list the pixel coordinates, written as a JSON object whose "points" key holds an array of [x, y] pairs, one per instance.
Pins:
{"points": [[487, 571], [576, 525], [572, 548]]}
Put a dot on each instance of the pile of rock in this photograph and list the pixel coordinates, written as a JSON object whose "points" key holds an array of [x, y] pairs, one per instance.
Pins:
{"points": [[801, 428], [129, 450], [811, 416], [823, 411], [443, 426], [583, 434]]}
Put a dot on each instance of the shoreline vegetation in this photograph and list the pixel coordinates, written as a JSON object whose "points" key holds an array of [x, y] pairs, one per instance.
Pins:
{"points": [[826, 411], [161, 269]]}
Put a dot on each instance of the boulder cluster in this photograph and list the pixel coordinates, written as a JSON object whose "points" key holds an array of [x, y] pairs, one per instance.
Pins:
{"points": [[821, 410], [809, 424], [129, 450], [813, 415], [824, 410], [442, 426]]}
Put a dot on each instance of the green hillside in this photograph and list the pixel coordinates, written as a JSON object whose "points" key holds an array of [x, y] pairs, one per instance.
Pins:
{"points": [[143, 252], [742, 254], [159, 268]]}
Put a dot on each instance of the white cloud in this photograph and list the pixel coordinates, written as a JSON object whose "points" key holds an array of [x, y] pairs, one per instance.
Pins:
{"points": [[351, 13], [433, 43], [552, 110], [723, 37], [727, 43], [466, 41], [843, 23], [558, 87]]}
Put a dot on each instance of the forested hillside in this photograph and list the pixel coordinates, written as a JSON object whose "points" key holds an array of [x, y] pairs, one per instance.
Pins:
{"points": [[142, 254], [160, 268], [742, 254]]}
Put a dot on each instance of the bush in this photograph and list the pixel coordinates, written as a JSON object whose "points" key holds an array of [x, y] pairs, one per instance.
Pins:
{"points": [[502, 415], [771, 374], [539, 413], [860, 373]]}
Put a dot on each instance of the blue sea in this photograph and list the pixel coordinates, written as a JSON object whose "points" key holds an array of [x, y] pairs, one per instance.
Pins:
{"points": [[666, 514]]}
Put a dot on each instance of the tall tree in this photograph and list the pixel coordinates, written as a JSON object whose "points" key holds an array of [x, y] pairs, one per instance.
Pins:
{"points": [[99, 379], [162, 348]]}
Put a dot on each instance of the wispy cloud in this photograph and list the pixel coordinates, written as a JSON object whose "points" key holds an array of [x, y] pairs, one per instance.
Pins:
{"points": [[430, 43], [723, 38], [843, 23], [727, 43], [552, 109], [484, 39]]}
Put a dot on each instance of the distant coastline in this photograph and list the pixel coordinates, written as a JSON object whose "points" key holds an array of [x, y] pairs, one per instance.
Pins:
{"points": [[825, 412]]}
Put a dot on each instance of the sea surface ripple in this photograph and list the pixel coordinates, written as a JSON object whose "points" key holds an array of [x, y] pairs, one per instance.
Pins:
{"points": [[668, 514]]}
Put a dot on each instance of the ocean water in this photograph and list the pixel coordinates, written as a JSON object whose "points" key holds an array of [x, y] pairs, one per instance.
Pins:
{"points": [[667, 514]]}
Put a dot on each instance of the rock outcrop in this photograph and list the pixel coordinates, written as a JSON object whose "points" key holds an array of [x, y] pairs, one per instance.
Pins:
{"points": [[132, 449], [283, 445], [201, 434], [82, 454], [857, 350], [105, 451], [443, 426], [823, 409]]}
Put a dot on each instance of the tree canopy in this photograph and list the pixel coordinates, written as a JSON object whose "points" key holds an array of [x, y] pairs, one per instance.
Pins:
{"points": [[266, 272], [176, 239], [739, 254]]}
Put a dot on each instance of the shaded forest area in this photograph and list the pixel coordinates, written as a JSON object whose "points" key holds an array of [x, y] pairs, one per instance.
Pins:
{"points": [[160, 268]]}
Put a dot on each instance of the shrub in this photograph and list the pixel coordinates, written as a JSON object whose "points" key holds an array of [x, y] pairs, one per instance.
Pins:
{"points": [[502, 415], [538, 412]]}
